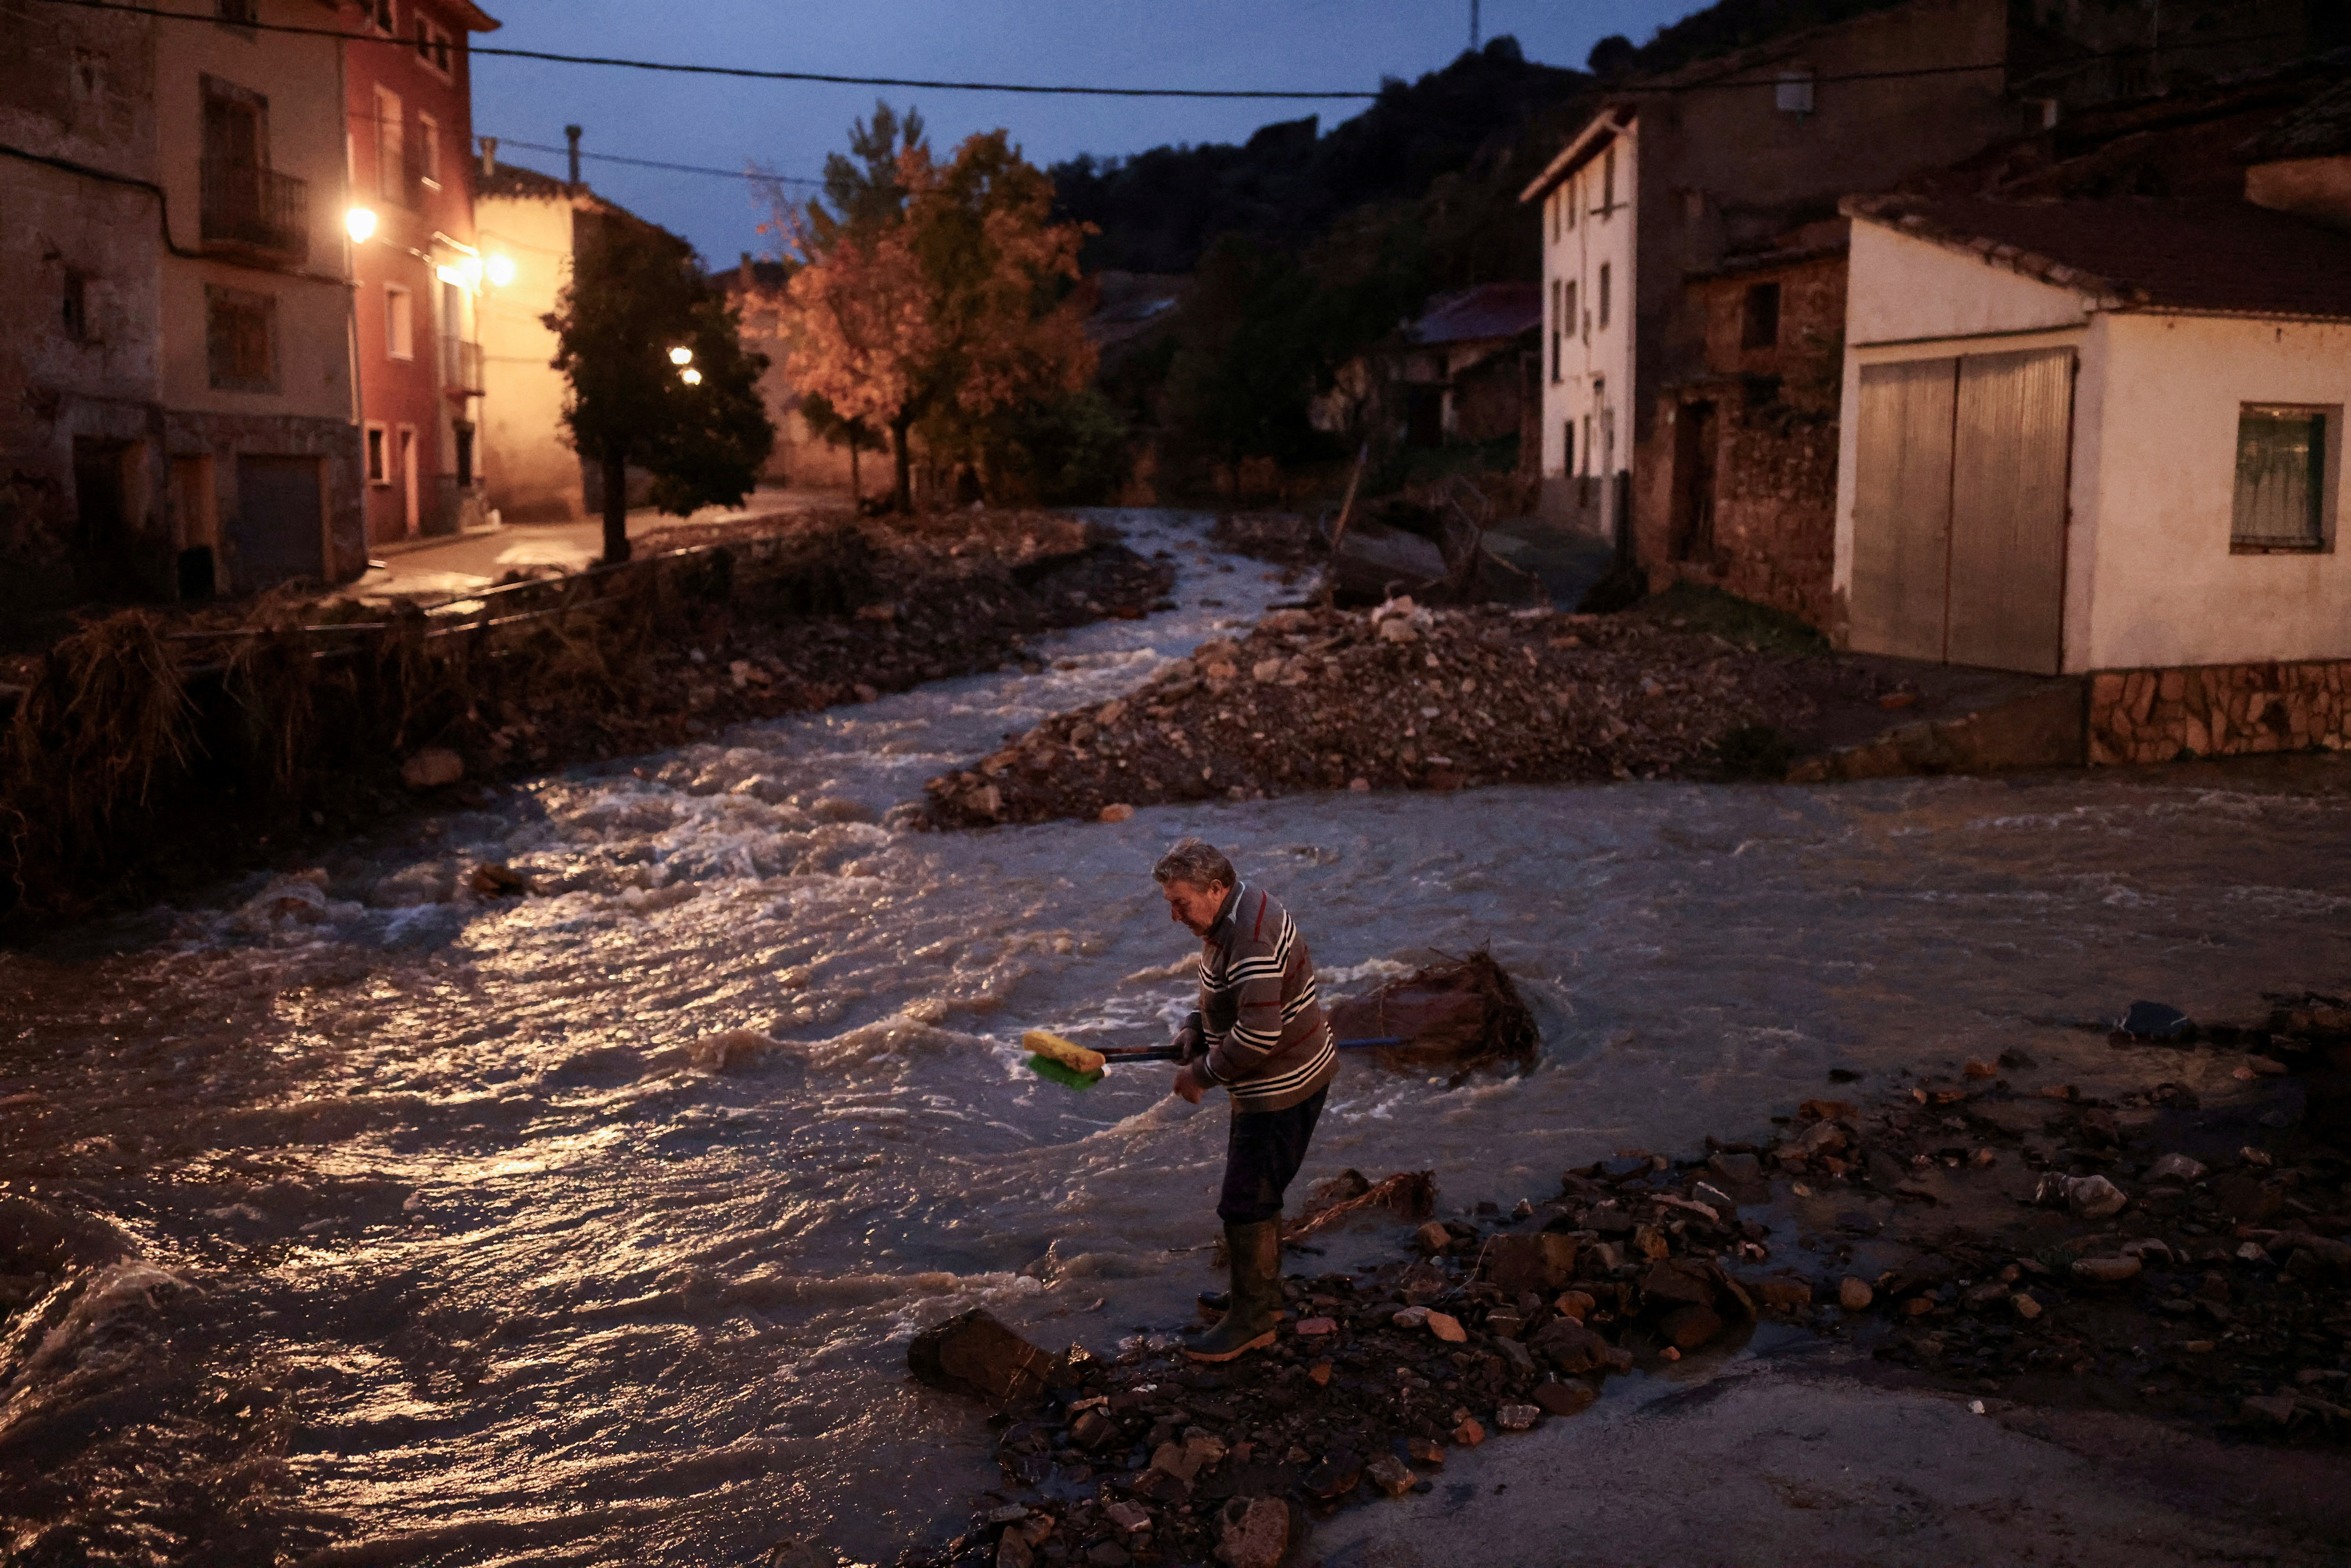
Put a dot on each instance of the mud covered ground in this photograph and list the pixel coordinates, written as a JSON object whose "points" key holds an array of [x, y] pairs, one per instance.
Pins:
{"points": [[1405, 697], [1991, 1232]]}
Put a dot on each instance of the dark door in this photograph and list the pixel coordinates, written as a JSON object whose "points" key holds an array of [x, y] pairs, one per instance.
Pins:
{"points": [[101, 541], [280, 524], [1424, 416], [1694, 450]]}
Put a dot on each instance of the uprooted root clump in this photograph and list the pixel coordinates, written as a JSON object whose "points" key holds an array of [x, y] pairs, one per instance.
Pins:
{"points": [[147, 752]]}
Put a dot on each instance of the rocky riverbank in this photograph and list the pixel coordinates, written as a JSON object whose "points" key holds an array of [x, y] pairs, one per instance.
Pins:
{"points": [[2175, 1250], [1405, 698]]}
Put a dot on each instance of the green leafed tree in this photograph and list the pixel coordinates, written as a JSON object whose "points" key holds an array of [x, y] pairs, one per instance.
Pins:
{"points": [[637, 295]]}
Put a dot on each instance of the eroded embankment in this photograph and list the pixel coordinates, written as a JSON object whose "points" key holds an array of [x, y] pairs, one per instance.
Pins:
{"points": [[148, 754]]}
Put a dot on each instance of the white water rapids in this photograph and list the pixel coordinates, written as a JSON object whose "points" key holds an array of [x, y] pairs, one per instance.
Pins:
{"points": [[534, 1285]]}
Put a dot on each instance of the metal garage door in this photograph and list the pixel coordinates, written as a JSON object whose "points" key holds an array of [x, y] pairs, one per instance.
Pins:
{"points": [[1902, 508], [2008, 509], [279, 531], [1959, 551]]}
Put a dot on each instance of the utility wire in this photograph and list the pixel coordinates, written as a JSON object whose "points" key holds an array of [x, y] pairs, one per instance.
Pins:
{"points": [[760, 177], [2056, 69], [372, 38], [752, 174]]}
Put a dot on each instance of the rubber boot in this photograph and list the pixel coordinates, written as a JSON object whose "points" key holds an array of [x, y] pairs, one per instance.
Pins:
{"points": [[1255, 1251]]}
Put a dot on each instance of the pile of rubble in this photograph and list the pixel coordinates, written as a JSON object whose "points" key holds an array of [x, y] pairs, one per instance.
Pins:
{"points": [[2030, 1242], [1401, 696], [1373, 1380]]}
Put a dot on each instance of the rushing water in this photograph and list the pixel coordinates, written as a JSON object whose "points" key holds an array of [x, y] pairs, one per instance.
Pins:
{"points": [[438, 1184]]}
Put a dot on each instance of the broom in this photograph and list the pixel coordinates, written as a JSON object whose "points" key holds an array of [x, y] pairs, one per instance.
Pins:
{"points": [[1074, 1066]]}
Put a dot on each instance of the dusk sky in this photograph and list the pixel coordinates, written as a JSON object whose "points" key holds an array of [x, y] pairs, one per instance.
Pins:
{"points": [[790, 126]]}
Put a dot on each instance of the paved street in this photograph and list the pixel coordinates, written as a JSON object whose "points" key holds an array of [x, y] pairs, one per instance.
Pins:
{"points": [[466, 562]]}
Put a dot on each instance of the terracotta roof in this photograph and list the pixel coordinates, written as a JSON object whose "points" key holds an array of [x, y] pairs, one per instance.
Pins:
{"points": [[2226, 257], [513, 179], [2319, 128], [1485, 310]]}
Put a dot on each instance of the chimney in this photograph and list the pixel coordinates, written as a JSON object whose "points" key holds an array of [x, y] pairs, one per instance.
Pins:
{"points": [[489, 156], [743, 273], [571, 135]]}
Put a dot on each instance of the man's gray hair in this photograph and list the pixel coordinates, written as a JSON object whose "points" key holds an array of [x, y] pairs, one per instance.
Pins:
{"points": [[1195, 862]]}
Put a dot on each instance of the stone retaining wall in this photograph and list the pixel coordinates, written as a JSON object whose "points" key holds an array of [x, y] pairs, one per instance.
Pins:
{"points": [[2218, 710]]}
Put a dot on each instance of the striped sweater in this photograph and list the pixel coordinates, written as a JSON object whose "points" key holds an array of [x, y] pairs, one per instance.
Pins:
{"points": [[1268, 1045]]}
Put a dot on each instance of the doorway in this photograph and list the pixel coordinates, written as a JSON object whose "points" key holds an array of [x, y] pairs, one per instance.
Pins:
{"points": [[411, 512], [1695, 435], [193, 498], [108, 511], [280, 528]]}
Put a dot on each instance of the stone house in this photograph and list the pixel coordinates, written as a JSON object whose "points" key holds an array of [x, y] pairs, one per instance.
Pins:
{"points": [[2105, 437], [1459, 373], [419, 270], [1682, 175], [1755, 437], [177, 411]]}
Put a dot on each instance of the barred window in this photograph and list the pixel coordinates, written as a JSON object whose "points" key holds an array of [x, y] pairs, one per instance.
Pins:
{"points": [[2282, 478], [241, 339]]}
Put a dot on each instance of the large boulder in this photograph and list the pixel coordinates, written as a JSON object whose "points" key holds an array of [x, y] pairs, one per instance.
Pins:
{"points": [[1254, 1532], [976, 1355], [1569, 1346], [1543, 1263]]}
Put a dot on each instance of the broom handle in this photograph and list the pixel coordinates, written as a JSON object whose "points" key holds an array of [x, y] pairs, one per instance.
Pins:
{"points": [[1168, 1052]]}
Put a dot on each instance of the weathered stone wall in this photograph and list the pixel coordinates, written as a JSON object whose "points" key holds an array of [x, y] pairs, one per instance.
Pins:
{"points": [[1774, 463], [2218, 710], [1775, 512]]}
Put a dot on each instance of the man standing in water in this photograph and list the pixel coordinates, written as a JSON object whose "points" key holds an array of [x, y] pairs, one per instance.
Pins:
{"points": [[1258, 1036]]}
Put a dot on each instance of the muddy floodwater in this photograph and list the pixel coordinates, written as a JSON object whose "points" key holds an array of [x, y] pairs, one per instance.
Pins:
{"points": [[430, 1225]]}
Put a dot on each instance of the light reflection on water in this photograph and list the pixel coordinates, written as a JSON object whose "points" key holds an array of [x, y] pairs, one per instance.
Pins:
{"points": [[540, 1288]]}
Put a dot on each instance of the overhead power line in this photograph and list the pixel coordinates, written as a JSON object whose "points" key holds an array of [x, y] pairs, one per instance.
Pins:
{"points": [[743, 71], [760, 177], [1629, 88]]}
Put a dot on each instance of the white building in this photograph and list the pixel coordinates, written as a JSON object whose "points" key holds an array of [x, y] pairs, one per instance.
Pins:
{"points": [[2103, 436], [1586, 195]]}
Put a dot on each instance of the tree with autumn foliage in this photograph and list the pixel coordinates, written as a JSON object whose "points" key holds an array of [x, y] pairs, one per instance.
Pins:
{"points": [[934, 296]]}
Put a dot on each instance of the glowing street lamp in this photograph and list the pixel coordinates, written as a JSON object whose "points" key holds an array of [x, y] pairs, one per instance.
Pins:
{"points": [[690, 376], [359, 222], [501, 271], [682, 355]]}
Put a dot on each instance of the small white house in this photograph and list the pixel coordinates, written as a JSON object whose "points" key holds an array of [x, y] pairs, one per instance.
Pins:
{"points": [[2088, 435]]}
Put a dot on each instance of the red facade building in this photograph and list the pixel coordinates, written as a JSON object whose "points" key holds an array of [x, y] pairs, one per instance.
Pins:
{"points": [[418, 267]]}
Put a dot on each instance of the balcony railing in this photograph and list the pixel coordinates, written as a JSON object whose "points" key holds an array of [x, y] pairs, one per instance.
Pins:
{"points": [[251, 208], [461, 366]]}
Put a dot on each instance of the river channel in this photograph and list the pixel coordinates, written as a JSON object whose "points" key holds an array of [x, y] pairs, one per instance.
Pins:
{"points": [[436, 1183]]}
